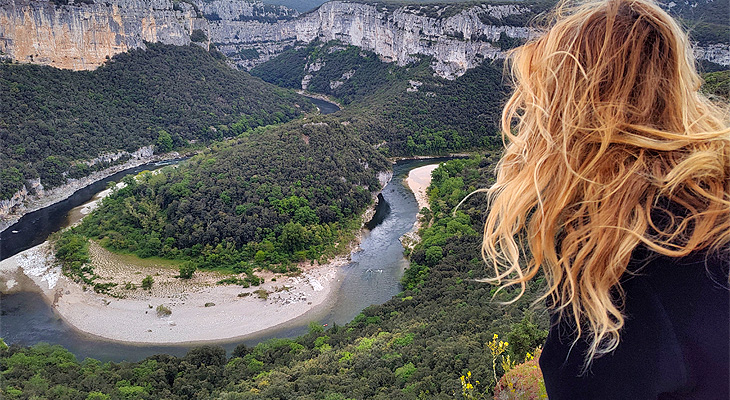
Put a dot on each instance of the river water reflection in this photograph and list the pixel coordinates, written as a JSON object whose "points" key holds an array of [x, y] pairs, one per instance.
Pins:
{"points": [[371, 278]]}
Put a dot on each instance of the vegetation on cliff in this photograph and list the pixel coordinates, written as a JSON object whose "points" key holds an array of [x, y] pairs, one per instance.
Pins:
{"points": [[717, 84], [54, 119], [269, 198]]}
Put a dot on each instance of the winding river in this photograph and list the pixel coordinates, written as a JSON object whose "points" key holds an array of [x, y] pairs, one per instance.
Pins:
{"points": [[372, 277]]}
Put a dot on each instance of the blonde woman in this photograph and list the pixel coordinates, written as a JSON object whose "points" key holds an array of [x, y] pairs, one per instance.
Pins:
{"points": [[615, 184]]}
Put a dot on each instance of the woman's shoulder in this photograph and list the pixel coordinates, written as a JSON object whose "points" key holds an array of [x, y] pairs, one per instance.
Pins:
{"points": [[705, 267], [675, 338]]}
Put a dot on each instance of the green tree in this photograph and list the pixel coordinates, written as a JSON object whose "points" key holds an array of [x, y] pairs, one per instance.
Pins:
{"points": [[164, 141], [294, 236], [434, 254], [525, 336], [187, 270]]}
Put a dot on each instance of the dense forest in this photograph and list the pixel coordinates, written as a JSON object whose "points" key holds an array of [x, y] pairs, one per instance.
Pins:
{"points": [[403, 110], [345, 72], [417, 345], [272, 197], [53, 120]]}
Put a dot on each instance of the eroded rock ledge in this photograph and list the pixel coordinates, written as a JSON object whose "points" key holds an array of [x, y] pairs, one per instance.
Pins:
{"points": [[33, 195]]}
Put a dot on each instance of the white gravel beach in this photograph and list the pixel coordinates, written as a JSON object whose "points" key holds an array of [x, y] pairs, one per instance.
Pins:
{"points": [[418, 181], [231, 310]]}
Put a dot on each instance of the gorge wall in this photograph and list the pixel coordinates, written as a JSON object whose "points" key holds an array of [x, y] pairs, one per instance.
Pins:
{"points": [[82, 34], [456, 42]]}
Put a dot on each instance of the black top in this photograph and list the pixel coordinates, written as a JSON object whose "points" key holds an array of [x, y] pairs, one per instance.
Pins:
{"points": [[675, 341]]}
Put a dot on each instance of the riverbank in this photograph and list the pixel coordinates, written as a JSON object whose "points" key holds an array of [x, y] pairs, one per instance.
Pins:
{"points": [[200, 309], [418, 181], [12, 213]]}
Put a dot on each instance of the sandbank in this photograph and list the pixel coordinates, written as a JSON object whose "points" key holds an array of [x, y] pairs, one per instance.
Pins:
{"points": [[201, 309], [418, 180]]}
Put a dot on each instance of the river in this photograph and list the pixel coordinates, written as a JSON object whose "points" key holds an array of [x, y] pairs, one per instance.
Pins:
{"points": [[325, 107], [33, 228], [372, 277]]}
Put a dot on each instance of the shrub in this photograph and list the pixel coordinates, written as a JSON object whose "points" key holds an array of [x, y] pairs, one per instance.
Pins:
{"points": [[163, 311], [525, 336], [405, 372], [198, 36], [187, 270], [147, 282], [523, 382]]}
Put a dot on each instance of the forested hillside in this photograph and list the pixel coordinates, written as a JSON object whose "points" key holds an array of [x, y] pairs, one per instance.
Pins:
{"points": [[409, 111], [272, 197], [53, 119], [404, 110], [416, 345]]}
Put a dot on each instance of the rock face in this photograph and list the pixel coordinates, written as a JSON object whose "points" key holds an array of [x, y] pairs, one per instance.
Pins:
{"points": [[34, 197], [456, 43], [718, 53], [81, 35]]}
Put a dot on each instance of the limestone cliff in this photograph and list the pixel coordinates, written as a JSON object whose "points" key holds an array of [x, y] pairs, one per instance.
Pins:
{"points": [[457, 36], [456, 42], [81, 35]]}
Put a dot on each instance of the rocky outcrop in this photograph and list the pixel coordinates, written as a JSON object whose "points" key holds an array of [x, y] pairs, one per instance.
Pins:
{"points": [[456, 43], [33, 196], [82, 35], [240, 10], [718, 53]]}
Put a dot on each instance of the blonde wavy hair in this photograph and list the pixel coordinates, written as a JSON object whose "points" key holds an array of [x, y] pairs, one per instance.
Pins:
{"points": [[610, 146]]}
